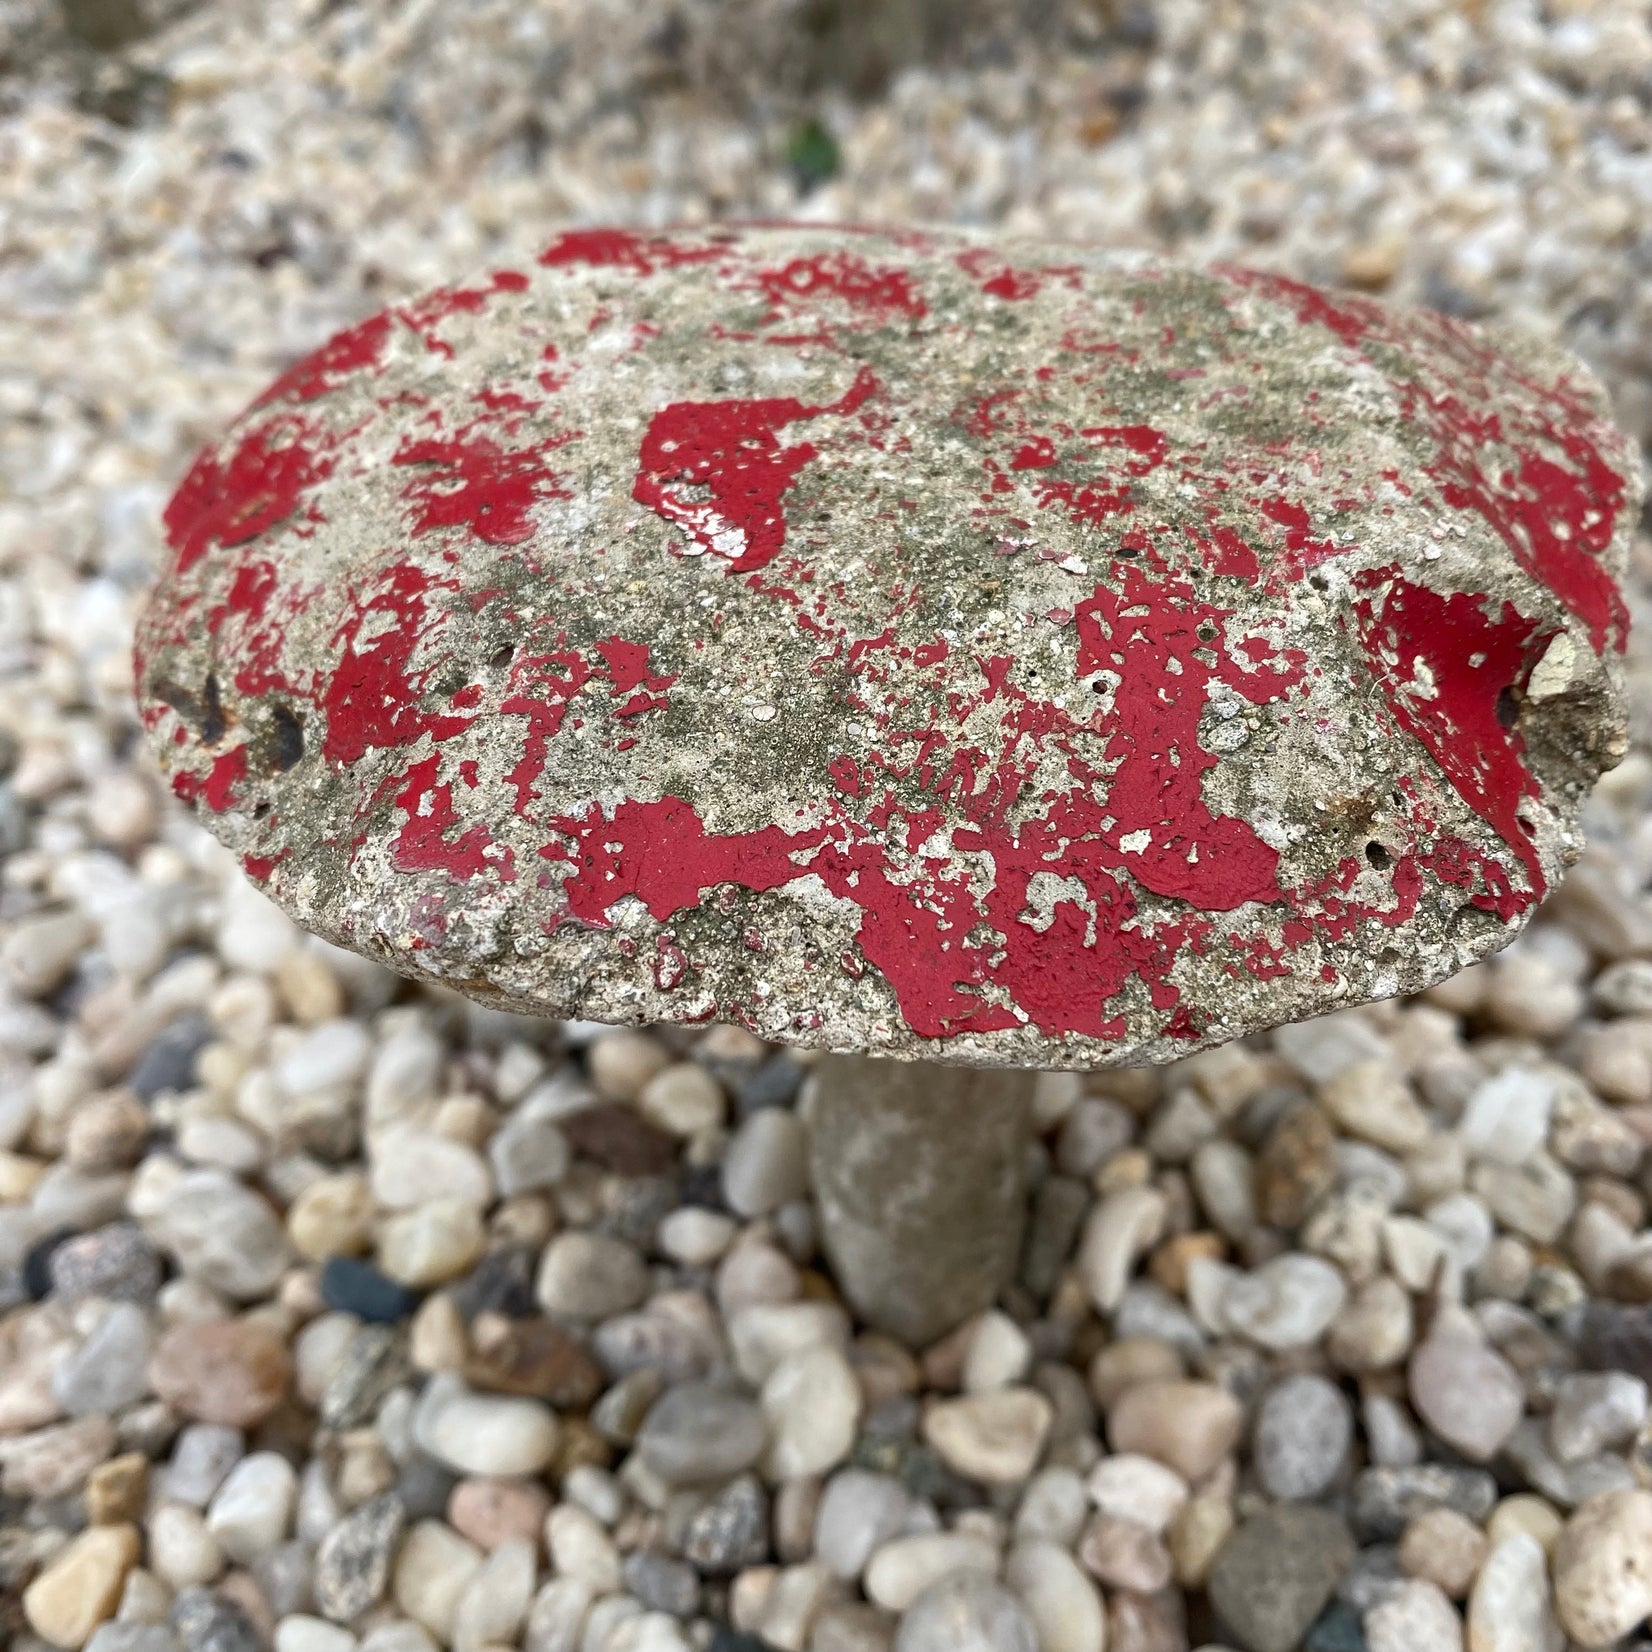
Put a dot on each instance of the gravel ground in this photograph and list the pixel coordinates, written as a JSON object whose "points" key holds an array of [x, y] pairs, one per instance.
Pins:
{"points": [[339, 1314]]}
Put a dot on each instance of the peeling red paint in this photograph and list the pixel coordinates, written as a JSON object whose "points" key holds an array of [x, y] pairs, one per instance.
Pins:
{"points": [[730, 448]]}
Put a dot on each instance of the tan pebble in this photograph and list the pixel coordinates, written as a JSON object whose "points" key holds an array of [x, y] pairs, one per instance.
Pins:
{"points": [[1189, 1426], [619, 1064], [54, 1461], [1373, 264], [491, 1512], [308, 987], [333, 1216], [19, 1176], [1131, 1360], [1525, 1513], [81, 1587], [116, 1490], [1603, 1567], [242, 1588], [437, 1339], [1197, 1532], [1444, 1548], [108, 1131], [233, 1372], [1170, 1262]]}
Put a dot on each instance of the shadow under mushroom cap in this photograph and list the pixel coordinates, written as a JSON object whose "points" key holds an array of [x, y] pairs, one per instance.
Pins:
{"points": [[1006, 653]]}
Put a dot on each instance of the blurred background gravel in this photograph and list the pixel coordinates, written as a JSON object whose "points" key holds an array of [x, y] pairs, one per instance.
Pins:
{"points": [[1341, 1338]]}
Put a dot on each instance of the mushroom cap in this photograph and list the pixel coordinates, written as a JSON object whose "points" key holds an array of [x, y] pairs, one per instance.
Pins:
{"points": [[999, 652]]}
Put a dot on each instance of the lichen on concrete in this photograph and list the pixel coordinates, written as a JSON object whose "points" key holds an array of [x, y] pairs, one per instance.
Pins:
{"points": [[1003, 653]]}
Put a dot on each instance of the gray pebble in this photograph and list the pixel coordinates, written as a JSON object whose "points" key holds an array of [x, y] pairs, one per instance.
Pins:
{"points": [[374, 1363], [1273, 1576], [661, 1583], [110, 1370], [115, 1262], [1385, 1500], [209, 1622], [352, 1566], [731, 1532], [202, 1456], [702, 1431], [1303, 1431], [966, 1612], [133, 1637]]}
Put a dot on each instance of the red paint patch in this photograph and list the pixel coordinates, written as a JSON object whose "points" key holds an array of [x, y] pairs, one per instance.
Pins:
{"points": [[730, 449]]}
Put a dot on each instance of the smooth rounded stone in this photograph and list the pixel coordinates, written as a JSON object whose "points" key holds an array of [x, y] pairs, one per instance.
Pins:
{"points": [[284, 1577], [432, 1570], [133, 1637], [432, 1244], [731, 1531], [1375, 1328], [1131, 1487], [54, 1461], [233, 1372], [1509, 1608], [409, 1168], [1125, 1555], [202, 1455], [581, 1548], [966, 1613], [556, 1620], [528, 1154], [81, 1586], [590, 1276], [253, 1509], [351, 1286], [1294, 1170], [1507, 1117], [662, 1584], [1275, 1573], [109, 1370], [1372, 1101], [485, 1434], [969, 359], [702, 1431], [683, 1099], [1535, 1198], [1188, 1426], [332, 1216], [326, 1057], [352, 1564], [209, 1621], [303, 1633], [1287, 1303], [107, 1132], [1303, 1430], [181, 1551], [1121, 1229], [1466, 1392], [1065, 1608], [489, 1512], [1444, 1548], [1416, 1617], [1595, 1411], [117, 1263], [904, 1567], [1386, 1500], [763, 1334], [998, 1354], [994, 1438], [39, 951], [811, 1404], [765, 1163], [858, 1512], [1603, 1567], [696, 1238], [495, 1601], [223, 1235], [397, 1635]]}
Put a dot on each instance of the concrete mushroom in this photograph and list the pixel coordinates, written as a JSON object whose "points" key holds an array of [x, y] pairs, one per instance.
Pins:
{"points": [[964, 657]]}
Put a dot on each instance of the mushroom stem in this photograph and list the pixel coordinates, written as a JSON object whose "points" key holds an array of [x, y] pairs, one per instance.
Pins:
{"points": [[920, 1176]]}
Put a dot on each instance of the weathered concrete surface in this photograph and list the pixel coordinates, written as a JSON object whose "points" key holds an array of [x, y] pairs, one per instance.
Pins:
{"points": [[1006, 654]]}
